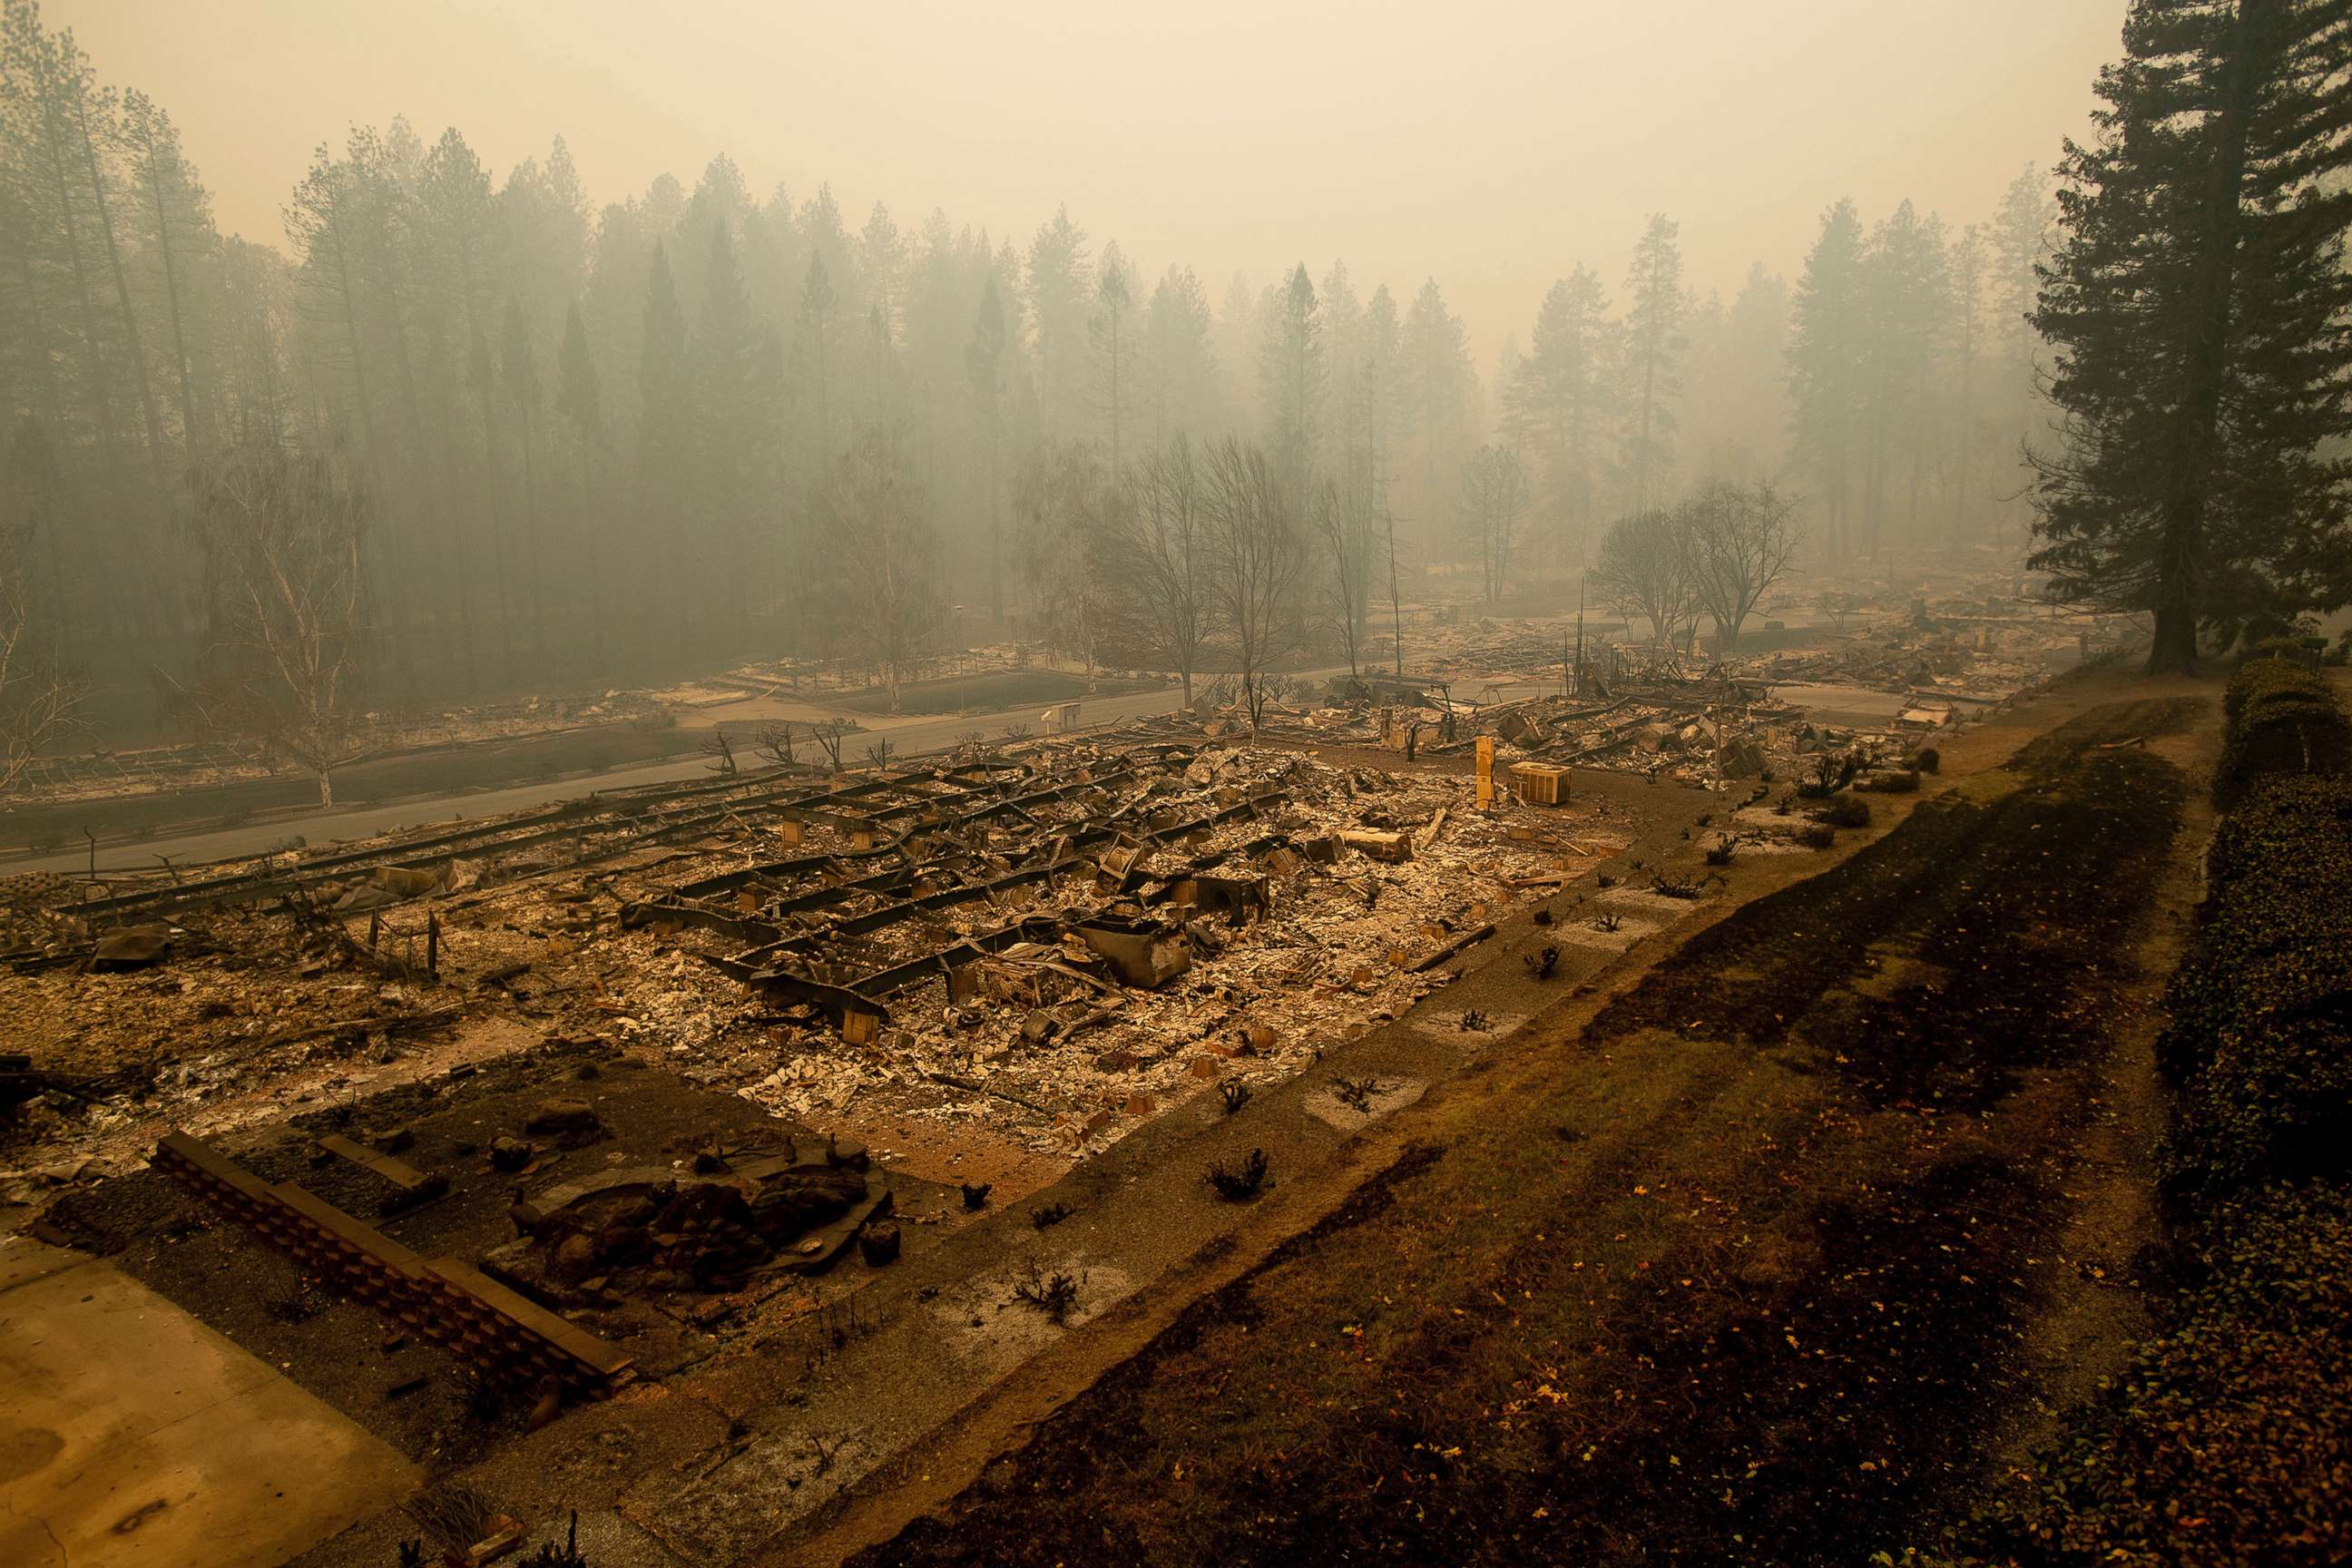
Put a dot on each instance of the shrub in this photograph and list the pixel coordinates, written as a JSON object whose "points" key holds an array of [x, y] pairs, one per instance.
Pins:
{"points": [[2279, 720], [2274, 935], [2260, 1038], [1926, 760], [2225, 1441], [1235, 1182], [1845, 811], [2284, 720], [2257, 677], [1817, 835], [2275, 1101]]}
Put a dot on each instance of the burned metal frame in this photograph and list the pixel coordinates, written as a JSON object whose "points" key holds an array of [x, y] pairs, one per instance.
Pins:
{"points": [[780, 960], [636, 816]]}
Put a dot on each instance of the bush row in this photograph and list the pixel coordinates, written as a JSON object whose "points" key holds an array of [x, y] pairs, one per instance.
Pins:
{"points": [[2260, 1044], [2283, 719], [2229, 1439], [2278, 902]]}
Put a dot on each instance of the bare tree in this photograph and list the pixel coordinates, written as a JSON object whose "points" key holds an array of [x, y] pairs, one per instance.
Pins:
{"points": [[1343, 527], [1643, 570], [1737, 540], [38, 703], [1256, 541], [776, 742], [879, 542], [1155, 559], [1493, 495], [282, 536], [828, 733], [1838, 605]]}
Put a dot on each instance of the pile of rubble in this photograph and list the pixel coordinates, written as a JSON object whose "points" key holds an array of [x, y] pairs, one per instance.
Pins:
{"points": [[1118, 929], [1880, 674], [1044, 945]]}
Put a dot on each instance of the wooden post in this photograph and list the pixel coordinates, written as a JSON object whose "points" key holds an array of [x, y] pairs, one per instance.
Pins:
{"points": [[433, 944], [1486, 771]]}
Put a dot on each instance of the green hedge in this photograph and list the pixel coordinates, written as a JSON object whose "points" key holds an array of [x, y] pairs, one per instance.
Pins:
{"points": [[2228, 1440], [2275, 1101], [2259, 676], [2283, 720], [2274, 936]]}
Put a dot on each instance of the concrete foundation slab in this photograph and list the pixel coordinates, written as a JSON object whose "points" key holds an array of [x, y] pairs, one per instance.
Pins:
{"points": [[133, 1434]]}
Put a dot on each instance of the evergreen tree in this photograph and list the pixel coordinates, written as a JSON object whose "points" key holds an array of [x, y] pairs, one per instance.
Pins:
{"points": [[1906, 293], [983, 360], [1057, 309], [1436, 388], [664, 438], [580, 404], [1290, 375], [1969, 261], [1826, 345], [1181, 363], [730, 421], [2199, 306], [518, 382], [1114, 349], [1554, 403], [1654, 344]]}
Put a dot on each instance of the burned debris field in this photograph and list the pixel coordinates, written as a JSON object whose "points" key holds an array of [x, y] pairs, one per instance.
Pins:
{"points": [[1513, 784], [1742, 1285]]}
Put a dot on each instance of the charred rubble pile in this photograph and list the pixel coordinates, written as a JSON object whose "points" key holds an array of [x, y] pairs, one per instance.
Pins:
{"points": [[1122, 926], [1047, 944], [1936, 655]]}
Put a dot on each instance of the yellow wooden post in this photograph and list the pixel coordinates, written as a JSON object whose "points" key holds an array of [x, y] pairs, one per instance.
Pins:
{"points": [[1486, 771]]}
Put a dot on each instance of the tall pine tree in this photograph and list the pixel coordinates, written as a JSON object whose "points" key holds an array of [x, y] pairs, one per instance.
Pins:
{"points": [[2202, 319]]}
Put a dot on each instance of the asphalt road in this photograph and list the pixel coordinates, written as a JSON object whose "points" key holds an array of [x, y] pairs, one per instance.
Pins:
{"points": [[366, 821]]}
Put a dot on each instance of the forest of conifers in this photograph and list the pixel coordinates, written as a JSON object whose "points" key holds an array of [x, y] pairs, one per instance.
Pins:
{"points": [[595, 441]]}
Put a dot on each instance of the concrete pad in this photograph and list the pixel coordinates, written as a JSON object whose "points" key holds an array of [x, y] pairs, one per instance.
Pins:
{"points": [[133, 1434], [1389, 1094]]}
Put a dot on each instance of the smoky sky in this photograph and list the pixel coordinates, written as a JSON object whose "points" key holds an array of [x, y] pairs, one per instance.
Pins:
{"points": [[1490, 145]]}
